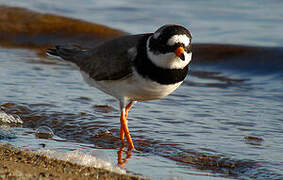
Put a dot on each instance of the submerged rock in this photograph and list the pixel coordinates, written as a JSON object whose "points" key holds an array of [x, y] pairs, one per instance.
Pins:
{"points": [[24, 28]]}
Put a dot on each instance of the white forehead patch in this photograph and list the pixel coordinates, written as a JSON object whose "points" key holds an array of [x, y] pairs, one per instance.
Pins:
{"points": [[179, 39]]}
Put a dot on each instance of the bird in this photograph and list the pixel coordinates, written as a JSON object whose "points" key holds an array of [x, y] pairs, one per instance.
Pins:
{"points": [[133, 68]]}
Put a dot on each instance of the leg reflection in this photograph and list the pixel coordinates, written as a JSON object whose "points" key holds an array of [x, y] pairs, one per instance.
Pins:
{"points": [[128, 154]]}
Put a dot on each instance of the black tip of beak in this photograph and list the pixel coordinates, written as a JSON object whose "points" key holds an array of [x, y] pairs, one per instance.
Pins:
{"points": [[182, 56]]}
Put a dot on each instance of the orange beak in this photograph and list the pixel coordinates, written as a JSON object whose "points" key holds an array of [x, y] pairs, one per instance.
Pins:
{"points": [[180, 53]]}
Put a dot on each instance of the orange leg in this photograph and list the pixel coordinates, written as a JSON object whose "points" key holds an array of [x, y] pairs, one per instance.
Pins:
{"points": [[122, 134], [128, 107], [124, 130]]}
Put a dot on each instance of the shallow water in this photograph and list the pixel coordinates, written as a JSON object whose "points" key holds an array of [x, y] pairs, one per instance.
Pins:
{"points": [[225, 121], [201, 128]]}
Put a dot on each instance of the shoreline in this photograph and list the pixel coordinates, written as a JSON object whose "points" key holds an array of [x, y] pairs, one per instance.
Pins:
{"points": [[21, 164]]}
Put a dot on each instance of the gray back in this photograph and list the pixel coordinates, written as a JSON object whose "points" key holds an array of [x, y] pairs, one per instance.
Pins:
{"points": [[110, 60]]}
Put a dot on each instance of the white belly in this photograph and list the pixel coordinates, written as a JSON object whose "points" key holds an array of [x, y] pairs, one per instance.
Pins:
{"points": [[134, 88]]}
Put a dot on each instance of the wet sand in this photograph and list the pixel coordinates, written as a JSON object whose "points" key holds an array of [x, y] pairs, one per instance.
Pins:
{"points": [[19, 164]]}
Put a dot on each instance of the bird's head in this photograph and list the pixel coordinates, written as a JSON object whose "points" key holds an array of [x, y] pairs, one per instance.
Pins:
{"points": [[169, 47]]}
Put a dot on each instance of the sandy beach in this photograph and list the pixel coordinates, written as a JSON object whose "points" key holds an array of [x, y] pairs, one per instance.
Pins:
{"points": [[19, 164]]}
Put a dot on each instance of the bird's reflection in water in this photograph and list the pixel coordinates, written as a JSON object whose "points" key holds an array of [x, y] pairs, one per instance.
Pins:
{"points": [[128, 154]]}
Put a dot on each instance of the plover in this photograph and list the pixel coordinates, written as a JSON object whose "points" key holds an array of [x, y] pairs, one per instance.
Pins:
{"points": [[134, 68]]}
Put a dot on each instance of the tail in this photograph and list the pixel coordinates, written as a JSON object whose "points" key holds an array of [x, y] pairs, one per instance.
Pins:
{"points": [[66, 53]]}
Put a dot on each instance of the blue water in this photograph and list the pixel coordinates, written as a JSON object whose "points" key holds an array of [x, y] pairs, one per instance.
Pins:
{"points": [[235, 22], [211, 114]]}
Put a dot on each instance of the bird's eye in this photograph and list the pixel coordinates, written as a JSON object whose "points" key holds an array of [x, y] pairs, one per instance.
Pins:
{"points": [[175, 46]]}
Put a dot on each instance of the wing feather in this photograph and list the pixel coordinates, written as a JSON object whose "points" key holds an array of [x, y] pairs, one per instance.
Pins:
{"points": [[111, 60]]}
